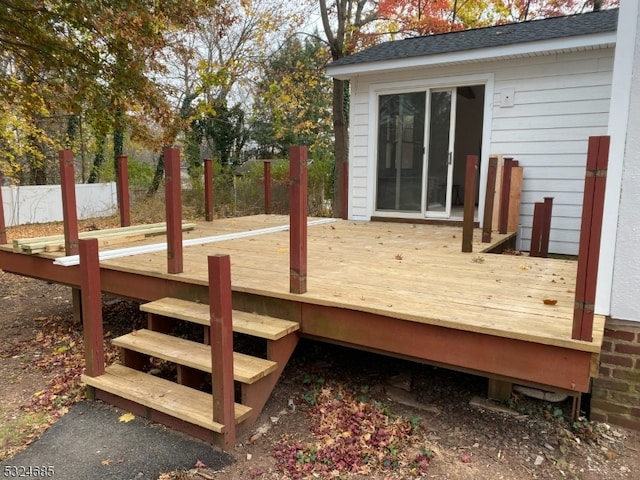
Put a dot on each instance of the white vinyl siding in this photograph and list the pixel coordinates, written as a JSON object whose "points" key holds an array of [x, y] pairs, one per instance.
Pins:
{"points": [[560, 100]]}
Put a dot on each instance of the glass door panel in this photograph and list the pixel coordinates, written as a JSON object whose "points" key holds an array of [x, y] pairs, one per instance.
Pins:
{"points": [[401, 127], [440, 154]]}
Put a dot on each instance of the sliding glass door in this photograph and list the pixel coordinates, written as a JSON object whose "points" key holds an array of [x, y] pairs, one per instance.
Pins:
{"points": [[400, 166], [440, 153]]}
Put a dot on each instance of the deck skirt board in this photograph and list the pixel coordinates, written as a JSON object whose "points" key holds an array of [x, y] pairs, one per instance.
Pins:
{"points": [[178, 401], [246, 369]]}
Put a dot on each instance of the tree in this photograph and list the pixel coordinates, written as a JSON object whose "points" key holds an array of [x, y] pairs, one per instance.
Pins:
{"points": [[349, 17], [426, 17], [76, 56], [292, 98]]}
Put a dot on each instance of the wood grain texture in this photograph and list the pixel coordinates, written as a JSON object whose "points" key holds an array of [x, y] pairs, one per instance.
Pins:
{"points": [[181, 402], [246, 368], [243, 322], [406, 271]]}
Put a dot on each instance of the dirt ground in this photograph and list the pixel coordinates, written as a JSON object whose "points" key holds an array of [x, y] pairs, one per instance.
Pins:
{"points": [[329, 399]]}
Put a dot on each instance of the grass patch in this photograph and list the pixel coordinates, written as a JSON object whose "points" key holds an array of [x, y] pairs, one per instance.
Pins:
{"points": [[19, 431]]}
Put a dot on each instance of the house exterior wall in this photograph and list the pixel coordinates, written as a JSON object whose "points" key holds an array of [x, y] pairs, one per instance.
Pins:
{"points": [[616, 391], [560, 100]]}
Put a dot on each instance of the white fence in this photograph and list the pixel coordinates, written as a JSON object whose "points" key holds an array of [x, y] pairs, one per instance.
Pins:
{"points": [[43, 203]]}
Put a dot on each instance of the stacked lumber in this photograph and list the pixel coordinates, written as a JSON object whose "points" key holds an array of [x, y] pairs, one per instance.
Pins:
{"points": [[106, 237]]}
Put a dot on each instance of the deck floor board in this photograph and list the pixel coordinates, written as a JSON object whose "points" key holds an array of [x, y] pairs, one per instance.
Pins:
{"points": [[411, 272]]}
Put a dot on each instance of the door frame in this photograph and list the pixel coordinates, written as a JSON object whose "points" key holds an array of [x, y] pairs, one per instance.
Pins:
{"points": [[426, 84]]}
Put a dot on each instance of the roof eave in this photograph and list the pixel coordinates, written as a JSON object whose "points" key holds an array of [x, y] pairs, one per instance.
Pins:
{"points": [[543, 47]]}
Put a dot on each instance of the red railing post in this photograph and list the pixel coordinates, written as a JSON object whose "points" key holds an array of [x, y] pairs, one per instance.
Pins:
{"points": [[536, 230], [91, 307], [173, 205], [469, 203], [3, 225], [546, 227], [208, 189], [70, 219], [221, 340], [69, 211], [345, 190], [298, 219], [505, 194], [267, 186], [488, 199], [590, 231], [123, 191]]}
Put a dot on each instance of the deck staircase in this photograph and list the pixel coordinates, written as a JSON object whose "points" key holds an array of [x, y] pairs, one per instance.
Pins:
{"points": [[182, 404]]}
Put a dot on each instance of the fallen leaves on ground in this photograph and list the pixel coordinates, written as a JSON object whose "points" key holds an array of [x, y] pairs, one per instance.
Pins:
{"points": [[126, 417], [352, 434], [60, 355]]}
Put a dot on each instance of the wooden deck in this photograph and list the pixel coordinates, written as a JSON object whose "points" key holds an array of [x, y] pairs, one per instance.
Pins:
{"points": [[399, 289]]}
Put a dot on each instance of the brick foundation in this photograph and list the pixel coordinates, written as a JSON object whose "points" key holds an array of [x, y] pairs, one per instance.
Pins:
{"points": [[615, 394]]}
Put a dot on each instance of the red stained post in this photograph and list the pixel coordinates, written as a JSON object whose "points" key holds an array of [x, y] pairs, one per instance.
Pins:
{"points": [[91, 307], [590, 232], [221, 340], [546, 227], [3, 225], [69, 212], [173, 204], [298, 219], [345, 190], [208, 189], [505, 193], [123, 191], [536, 230], [469, 203], [267, 186], [488, 199]]}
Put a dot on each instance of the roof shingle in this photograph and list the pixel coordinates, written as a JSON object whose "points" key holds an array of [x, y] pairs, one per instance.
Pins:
{"points": [[497, 36]]}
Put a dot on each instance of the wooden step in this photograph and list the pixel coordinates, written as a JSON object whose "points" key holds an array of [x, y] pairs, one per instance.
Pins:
{"points": [[178, 401], [246, 369], [243, 322]]}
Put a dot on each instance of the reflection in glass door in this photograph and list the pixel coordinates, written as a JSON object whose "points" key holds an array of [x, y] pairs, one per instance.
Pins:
{"points": [[440, 154], [400, 166]]}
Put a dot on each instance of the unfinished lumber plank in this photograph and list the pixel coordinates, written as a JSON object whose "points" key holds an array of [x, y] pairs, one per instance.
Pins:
{"points": [[176, 400], [243, 322], [42, 244], [246, 368], [102, 242]]}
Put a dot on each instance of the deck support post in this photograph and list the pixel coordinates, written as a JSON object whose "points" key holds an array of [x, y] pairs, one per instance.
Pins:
{"points": [[590, 232], [70, 219], [499, 390], [123, 191], [91, 307], [345, 190], [489, 196], [298, 219], [3, 226], [505, 194], [173, 209], [221, 340], [267, 186], [208, 190], [469, 203]]}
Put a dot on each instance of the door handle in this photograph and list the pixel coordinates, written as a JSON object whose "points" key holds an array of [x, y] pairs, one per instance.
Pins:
{"points": [[450, 159]]}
